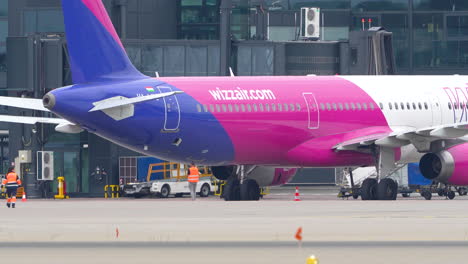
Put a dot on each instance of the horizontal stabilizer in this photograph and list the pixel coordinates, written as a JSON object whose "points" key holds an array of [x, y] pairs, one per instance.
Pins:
{"points": [[25, 103], [122, 101], [32, 120]]}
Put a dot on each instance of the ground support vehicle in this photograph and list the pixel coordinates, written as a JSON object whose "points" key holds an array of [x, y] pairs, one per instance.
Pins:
{"points": [[180, 187], [173, 176]]}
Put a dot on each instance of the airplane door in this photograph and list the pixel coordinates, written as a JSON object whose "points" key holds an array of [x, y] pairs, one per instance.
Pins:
{"points": [[172, 110], [312, 109], [436, 111]]}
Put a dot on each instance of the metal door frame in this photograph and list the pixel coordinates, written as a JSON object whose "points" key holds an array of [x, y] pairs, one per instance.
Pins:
{"points": [[165, 108]]}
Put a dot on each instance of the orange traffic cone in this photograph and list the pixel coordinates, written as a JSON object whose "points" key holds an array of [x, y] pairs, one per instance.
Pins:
{"points": [[24, 197], [296, 195]]}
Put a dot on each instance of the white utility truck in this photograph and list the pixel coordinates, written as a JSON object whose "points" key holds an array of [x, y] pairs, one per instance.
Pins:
{"points": [[179, 187]]}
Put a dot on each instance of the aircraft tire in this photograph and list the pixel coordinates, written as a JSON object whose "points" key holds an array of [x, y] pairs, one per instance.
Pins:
{"points": [[387, 189], [368, 189], [249, 190], [231, 190]]}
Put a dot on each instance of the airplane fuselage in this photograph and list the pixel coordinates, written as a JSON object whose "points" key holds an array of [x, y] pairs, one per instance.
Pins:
{"points": [[287, 121]]}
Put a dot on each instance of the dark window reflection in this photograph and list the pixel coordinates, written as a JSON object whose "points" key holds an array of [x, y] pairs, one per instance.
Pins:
{"points": [[457, 26], [199, 19], [440, 5], [3, 7], [428, 33], [379, 5], [43, 21]]}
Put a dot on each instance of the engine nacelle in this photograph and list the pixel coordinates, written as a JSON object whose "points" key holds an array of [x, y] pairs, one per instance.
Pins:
{"points": [[448, 166], [264, 175]]}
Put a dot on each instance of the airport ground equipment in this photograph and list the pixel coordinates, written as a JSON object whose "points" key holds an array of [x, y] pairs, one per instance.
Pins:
{"points": [[169, 173], [179, 187], [111, 191], [61, 189]]}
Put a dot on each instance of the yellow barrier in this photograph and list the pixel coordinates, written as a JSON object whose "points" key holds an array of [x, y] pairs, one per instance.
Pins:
{"points": [[114, 191], [61, 189]]}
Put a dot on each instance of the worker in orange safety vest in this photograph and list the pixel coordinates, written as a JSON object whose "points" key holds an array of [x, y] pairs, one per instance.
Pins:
{"points": [[11, 182], [193, 178]]}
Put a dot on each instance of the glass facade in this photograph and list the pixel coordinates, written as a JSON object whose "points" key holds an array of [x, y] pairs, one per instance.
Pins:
{"points": [[3, 33], [198, 19]]}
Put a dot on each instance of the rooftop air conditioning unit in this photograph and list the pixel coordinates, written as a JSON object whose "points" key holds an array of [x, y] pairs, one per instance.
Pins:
{"points": [[45, 165], [310, 22]]}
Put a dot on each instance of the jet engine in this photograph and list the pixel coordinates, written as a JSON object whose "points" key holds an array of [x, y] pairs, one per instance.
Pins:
{"points": [[264, 175], [448, 166]]}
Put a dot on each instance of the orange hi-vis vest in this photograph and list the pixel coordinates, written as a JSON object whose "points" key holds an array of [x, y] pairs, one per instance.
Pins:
{"points": [[194, 174], [11, 180]]}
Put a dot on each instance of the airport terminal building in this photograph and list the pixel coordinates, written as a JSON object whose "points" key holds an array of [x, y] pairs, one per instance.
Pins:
{"points": [[206, 38]]}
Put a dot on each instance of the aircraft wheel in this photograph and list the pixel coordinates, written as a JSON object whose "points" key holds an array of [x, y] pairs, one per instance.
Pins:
{"points": [[368, 189], [387, 189], [249, 190], [406, 195], [462, 191], [205, 190], [451, 195], [231, 190]]}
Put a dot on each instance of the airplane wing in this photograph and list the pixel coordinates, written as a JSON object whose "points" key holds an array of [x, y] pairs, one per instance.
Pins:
{"points": [[26, 103], [122, 101], [420, 138]]}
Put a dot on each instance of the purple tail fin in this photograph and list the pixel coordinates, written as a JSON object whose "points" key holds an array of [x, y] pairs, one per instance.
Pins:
{"points": [[96, 53]]}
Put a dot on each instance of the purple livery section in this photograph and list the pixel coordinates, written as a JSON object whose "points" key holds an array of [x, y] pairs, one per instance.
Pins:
{"points": [[96, 53]]}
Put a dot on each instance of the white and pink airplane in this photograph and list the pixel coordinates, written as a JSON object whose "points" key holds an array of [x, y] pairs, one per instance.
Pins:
{"points": [[256, 131]]}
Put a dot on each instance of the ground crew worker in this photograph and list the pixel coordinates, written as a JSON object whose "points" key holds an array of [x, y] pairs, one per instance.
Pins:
{"points": [[11, 182], [193, 177]]}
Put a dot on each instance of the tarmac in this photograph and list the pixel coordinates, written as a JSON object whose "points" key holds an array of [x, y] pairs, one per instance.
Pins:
{"points": [[210, 230]]}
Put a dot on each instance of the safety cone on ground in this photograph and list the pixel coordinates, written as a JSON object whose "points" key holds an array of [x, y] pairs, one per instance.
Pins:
{"points": [[296, 195], [24, 197]]}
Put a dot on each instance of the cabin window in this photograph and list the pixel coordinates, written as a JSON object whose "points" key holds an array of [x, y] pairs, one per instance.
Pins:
{"points": [[280, 107], [328, 106], [426, 106], [353, 107], [334, 107], [449, 106], [371, 106], [402, 105], [420, 106], [408, 106], [218, 108], [242, 108], [198, 108], [292, 107], [322, 106], [358, 105], [286, 109], [224, 108], [346, 106], [249, 108], [298, 107], [273, 107], [414, 106], [340, 106], [212, 108], [396, 106], [261, 107], [390, 106], [236, 107], [364, 106], [205, 108], [255, 109], [267, 107]]}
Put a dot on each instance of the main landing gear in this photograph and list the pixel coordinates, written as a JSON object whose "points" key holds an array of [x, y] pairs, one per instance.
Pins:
{"points": [[382, 187], [386, 189], [238, 188]]}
